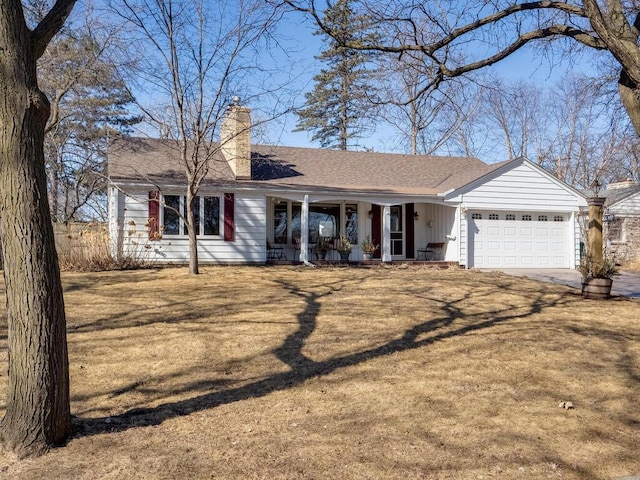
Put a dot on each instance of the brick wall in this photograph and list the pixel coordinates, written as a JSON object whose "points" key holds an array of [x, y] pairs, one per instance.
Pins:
{"points": [[624, 245]]}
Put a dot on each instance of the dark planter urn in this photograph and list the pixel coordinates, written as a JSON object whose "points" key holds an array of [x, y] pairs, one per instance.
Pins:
{"points": [[596, 287], [344, 256]]}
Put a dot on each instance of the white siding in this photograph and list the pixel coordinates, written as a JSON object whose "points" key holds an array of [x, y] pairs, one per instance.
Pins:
{"points": [[437, 224], [464, 239], [248, 247], [627, 207], [522, 188]]}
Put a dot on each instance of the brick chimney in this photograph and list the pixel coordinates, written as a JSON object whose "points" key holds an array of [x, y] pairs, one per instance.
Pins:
{"points": [[236, 139]]}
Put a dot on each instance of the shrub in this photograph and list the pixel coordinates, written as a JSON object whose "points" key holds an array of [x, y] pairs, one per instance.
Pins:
{"points": [[592, 269], [87, 250]]}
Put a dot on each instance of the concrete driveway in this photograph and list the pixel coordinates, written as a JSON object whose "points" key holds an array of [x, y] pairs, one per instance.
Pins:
{"points": [[625, 284]]}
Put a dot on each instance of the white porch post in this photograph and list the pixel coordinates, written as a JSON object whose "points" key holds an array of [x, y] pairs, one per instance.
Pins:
{"points": [[304, 227], [386, 233], [115, 234]]}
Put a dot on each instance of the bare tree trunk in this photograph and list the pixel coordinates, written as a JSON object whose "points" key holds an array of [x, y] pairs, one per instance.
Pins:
{"points": [[630, 97], [37, 413], [193, 234], [414, 128]]}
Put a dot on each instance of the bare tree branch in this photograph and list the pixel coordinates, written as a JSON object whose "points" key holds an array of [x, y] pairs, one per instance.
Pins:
{"points": [[50, 24]]}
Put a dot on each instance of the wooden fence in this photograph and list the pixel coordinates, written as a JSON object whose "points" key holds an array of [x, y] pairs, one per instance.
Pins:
{"points": [[68, 236]]}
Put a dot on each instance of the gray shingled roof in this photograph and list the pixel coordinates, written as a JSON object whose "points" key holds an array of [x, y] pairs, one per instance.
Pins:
{"points": [[618, 194], [303, 168], [153, 160]]}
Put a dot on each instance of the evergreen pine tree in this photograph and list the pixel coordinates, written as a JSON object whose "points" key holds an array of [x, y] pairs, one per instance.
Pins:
{"points": [[339, 108]]}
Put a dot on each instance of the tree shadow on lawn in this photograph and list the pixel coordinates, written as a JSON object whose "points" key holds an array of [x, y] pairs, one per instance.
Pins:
{"points": [[304, 368]]}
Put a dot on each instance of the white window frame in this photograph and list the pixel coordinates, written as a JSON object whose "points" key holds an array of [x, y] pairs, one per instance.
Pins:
{"points": [[181, 227]]}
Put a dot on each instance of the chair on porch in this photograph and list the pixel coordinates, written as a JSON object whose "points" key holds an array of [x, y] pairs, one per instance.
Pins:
{"points": [[275, 252], [433, 251]]}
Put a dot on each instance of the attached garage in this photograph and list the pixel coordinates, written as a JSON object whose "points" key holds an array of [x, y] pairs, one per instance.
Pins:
{"points": [[520, 240], [518, 216]]}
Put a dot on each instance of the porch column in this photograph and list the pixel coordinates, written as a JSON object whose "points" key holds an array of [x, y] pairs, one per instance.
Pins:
{"points": [[304, 230], [594, 232], [386, 233], [115, 232]]}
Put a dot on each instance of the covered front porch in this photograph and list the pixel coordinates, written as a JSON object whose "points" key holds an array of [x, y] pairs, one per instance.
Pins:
{"points": [[299, 226]]}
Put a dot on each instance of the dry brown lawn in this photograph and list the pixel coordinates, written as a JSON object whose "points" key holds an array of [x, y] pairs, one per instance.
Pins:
{"points": [[342, 373], [633, 266]]}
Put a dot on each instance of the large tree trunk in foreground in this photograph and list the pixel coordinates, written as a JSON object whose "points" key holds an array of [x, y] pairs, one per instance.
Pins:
{"points": [[630, 97], [37, 413]]}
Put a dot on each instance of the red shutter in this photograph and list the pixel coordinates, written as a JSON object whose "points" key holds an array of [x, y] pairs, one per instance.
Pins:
{"points": [[153, 224], [410, 229], [229, 223], [376, 230]]}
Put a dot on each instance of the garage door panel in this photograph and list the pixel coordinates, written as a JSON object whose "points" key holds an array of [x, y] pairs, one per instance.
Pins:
{"points": [[510, 246], [526, 261], [521, 243], [542, 261], [495, 261], [511, 261], [493, 246]]}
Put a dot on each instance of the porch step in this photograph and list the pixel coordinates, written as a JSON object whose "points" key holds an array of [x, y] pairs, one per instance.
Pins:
{"points": [[440, 265]]}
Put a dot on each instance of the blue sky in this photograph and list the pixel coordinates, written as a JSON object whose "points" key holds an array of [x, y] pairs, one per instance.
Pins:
{"points": [[523, 65], [298, 67]]}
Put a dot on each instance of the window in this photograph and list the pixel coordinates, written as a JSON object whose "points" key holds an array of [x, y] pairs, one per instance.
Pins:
{"points": [[615, 230], [351, 222], [558, 218], [324, 222], [171, 208], [510, 216], [542, 218], [476, 216], [211, 218], [280, 222], [494, 216], [526, 218], [206, 212]]}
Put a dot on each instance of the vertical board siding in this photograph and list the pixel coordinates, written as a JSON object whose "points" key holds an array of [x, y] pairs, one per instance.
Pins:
{"points": [[443, 228], [577, 238]]}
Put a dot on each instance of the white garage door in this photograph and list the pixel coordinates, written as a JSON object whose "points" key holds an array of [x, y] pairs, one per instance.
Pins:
{"points": [[520, 240]]}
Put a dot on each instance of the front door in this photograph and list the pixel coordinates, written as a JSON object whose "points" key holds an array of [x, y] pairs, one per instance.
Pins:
{"points": [[397, 232]]}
